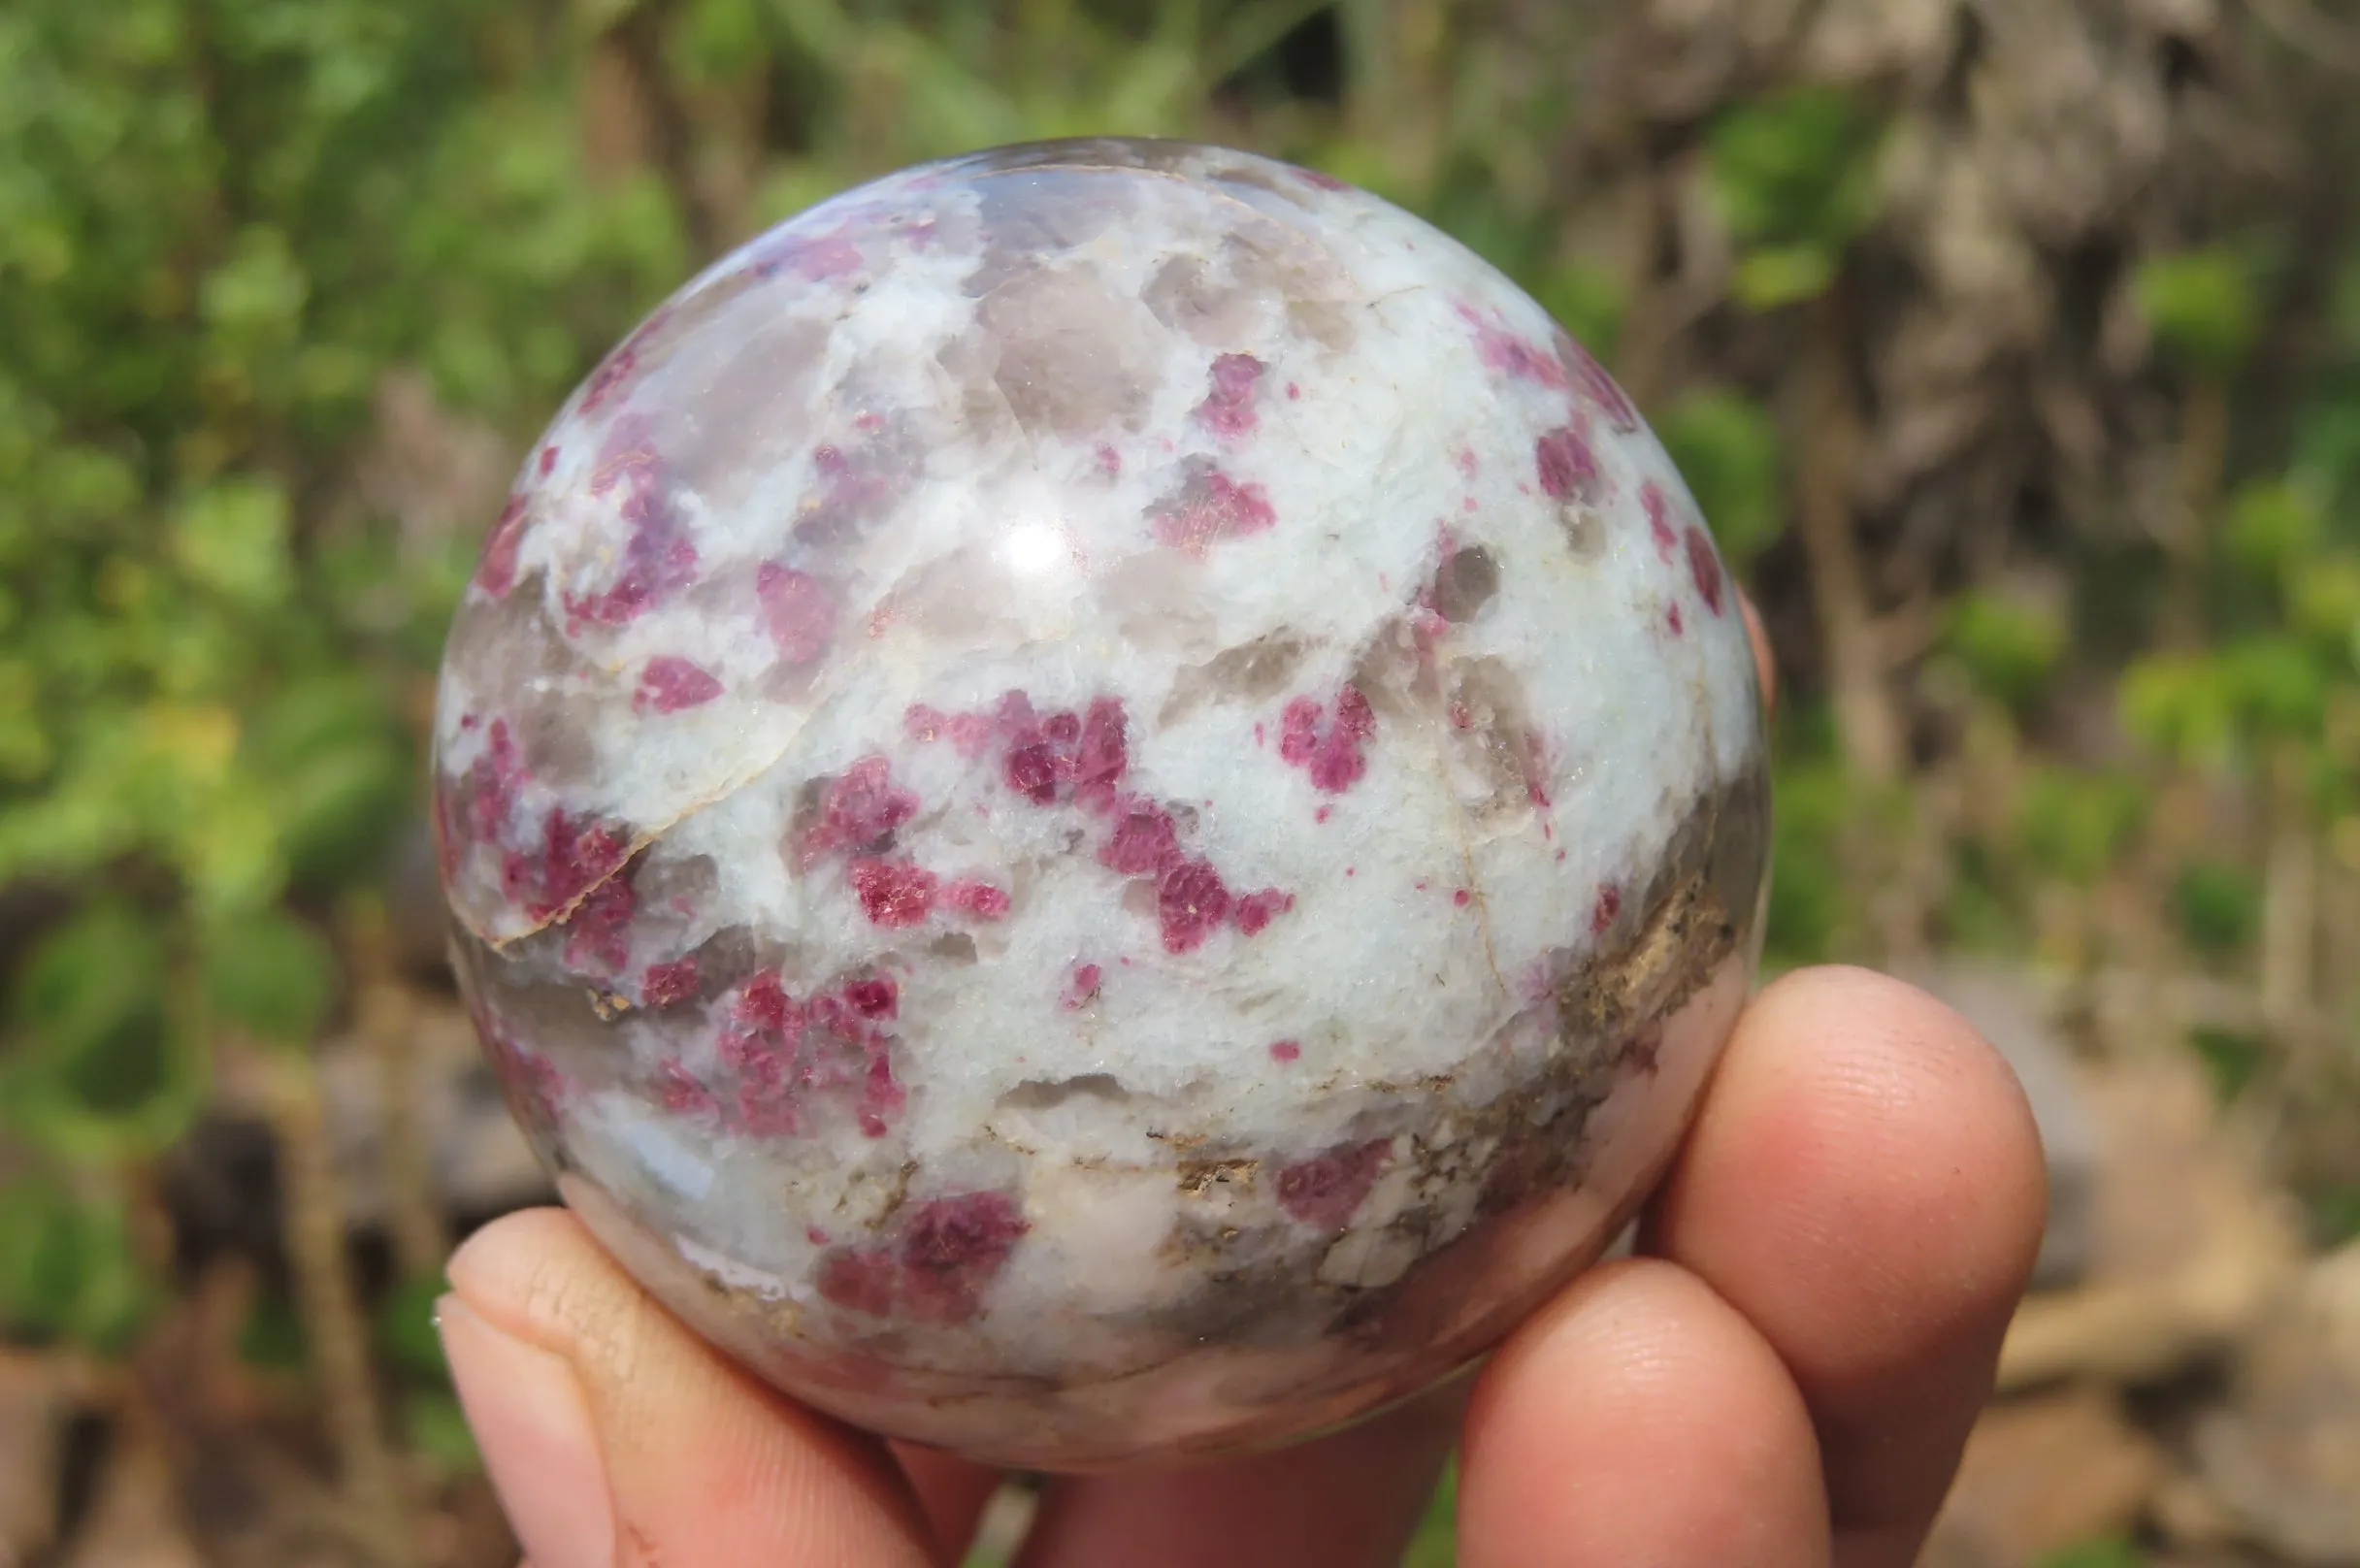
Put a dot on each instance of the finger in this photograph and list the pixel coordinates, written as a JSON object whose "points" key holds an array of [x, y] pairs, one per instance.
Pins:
{"points": [[614, 1435], [1345, 1502], [1639, 1422], [1765, 662], [1864, 1183]]}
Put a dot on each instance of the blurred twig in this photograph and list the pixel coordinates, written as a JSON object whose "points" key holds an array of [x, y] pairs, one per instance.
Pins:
{"points": [[334, 1327], [1865, 712], [385, 1023], [2204, 450]]}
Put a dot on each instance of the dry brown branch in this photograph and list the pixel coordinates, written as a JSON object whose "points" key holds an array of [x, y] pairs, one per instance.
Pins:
{"points": [[1849, 633], [2289, 903], [386, 1022], [333, 1326], [2204, 450], [2145, 1331]]}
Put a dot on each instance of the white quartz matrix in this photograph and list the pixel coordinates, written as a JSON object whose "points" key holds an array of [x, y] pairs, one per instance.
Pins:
{"points": [[1103, 803]]}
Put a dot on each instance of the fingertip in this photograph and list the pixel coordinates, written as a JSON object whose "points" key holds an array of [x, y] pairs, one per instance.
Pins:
{"points": [[702, 1463], [1346, 1500], [533, 1425], [1865, 1183], [1639, 1420], [1873, 1119], [1765, 662]]}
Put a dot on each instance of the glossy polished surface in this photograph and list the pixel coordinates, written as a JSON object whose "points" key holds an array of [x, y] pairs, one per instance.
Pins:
{"points": [[1103, 803]]}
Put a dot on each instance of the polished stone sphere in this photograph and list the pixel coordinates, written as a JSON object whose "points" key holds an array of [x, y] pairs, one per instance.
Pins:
{"points": [[1102, 804]]}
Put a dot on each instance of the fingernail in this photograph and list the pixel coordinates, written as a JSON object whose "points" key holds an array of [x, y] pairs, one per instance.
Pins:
{"points": [[533, 1426]]}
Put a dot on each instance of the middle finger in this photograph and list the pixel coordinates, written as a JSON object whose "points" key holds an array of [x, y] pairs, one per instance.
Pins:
{"points": [[1345, 1502]]}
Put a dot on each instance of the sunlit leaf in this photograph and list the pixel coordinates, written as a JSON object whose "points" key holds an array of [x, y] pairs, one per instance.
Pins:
{"points": [[229, 852], [2180, 705], [2275, 685], [1784, 275], [232, 537], [2272, 524], [2202, 305], [1794, 176], [2326, 604], [2009, 645], [255, 297]]}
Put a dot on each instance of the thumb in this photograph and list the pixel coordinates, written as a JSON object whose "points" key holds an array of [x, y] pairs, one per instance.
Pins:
{"points": [[614, 1435]]}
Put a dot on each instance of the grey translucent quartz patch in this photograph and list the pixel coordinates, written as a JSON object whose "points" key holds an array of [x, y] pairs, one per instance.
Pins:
{"points": [[1103, 803]]}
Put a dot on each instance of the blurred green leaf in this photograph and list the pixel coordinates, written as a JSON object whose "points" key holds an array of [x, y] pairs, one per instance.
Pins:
{"points": [[2335, 1215], [2345, 309], [2103, 1552], [2202, 305], [67, 1271], [337, 772], [2231, 1060], [2075, 825], [2277, 688], [271, 1337], [2180, 704], [1980, 912], [406, 1335], [1794, 176], [232, 537], [2326, 606], [2327, 449], [2218, 905], [254, 300], [436, 1430], [2271, 527], [1587, 300], [1830, 828], [1783, 275], [716, 41], [1805, 887], [92, 978], [271, 976], [1435, 1544], [2010, 646], [1726, 447], [99, 1065]]}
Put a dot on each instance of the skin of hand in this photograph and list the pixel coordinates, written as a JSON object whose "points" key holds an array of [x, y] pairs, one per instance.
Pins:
{"points": [[1784, 1376]]}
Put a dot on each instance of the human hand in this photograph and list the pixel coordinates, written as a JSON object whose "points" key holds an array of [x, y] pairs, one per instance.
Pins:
{"points": [[1785, 1375]]}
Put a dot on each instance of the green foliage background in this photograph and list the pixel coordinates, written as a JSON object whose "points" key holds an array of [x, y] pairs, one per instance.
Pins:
{"points": [[239, 237]]}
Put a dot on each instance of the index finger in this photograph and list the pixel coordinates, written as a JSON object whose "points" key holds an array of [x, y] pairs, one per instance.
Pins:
{"points": [[1864, 1185], [612, 1434]]}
